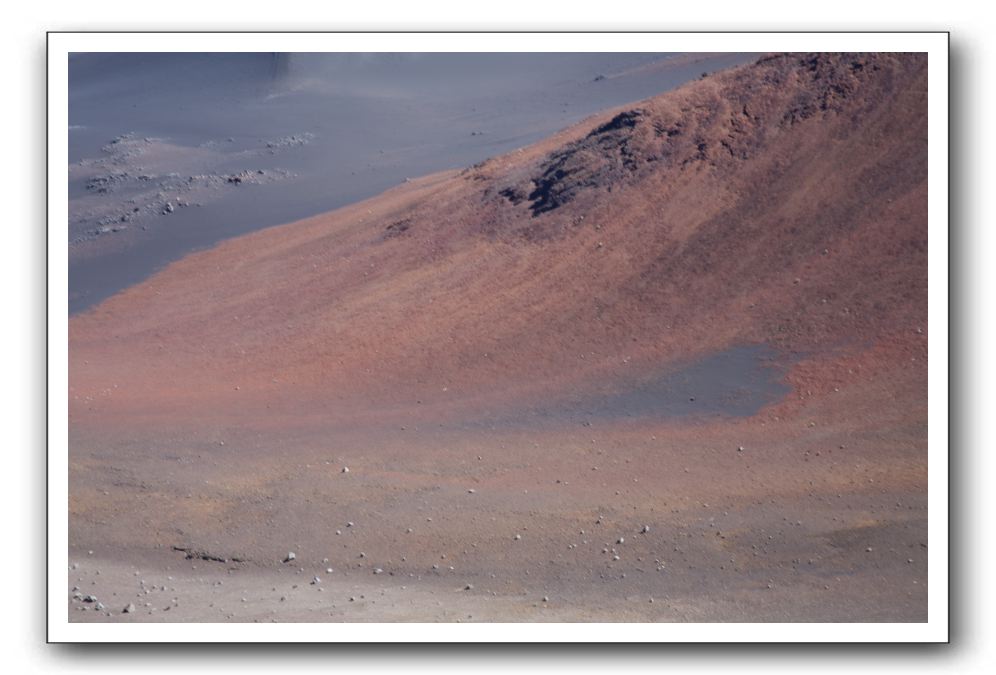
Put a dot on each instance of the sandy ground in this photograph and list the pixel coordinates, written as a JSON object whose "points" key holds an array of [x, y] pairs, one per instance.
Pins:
{"points": [[414, 338], [818, 518]]}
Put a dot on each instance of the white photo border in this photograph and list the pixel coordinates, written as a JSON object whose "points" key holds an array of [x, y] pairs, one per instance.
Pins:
{"points": [[935, 44]]}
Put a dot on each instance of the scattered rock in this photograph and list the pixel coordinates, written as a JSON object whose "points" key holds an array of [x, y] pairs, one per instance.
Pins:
{"points": [[129, 609], [290, 556]]}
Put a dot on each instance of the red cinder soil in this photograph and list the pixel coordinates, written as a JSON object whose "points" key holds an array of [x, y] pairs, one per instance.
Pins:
{"points": [[214, 406]]}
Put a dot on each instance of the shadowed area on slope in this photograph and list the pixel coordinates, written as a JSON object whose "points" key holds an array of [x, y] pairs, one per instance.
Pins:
{"points": [[735, 382]]}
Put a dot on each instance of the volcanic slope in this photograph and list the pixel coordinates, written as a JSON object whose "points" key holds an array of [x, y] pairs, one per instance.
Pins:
{"points": [[418, 337]]}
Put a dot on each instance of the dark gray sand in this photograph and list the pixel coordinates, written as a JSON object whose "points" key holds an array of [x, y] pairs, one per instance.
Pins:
{"points": [[170, 153], [736, 382], [732, 383]]}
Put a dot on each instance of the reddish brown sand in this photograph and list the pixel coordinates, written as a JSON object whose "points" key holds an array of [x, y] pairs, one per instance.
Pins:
{"points": [[213, 407]]}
